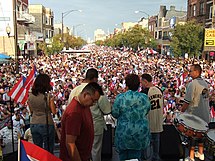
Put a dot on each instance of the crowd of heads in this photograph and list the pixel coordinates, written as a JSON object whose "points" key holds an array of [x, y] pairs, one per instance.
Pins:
{"points": [[66, 71]]}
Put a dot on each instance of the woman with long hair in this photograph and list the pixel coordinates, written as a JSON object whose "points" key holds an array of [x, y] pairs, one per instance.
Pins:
{"points": [[41, 106]]}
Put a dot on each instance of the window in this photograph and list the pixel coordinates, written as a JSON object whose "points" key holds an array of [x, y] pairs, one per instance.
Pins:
{"points": [[44, 19], [160, 35], [156, 35], [160, 22], [211, 12], [194, 10], [47, 20], [165, 35], [18, 8], [51, 21], [201, 11], [47, 34]]}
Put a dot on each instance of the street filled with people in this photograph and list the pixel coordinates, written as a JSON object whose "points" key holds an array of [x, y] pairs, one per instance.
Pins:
{"points": [[67, 71]]}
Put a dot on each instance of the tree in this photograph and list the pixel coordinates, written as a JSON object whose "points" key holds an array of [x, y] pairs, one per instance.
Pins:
{"points": [[187, 38], [73, 42], [56, 45], [136, 37], [43, 46]]}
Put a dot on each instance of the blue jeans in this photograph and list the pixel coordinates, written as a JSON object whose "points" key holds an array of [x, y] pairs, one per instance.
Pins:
{"points": [[39, 135], [155, 141]]}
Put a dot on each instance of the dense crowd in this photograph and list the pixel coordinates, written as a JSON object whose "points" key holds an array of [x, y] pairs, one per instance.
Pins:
{"points": [[68, 70]]}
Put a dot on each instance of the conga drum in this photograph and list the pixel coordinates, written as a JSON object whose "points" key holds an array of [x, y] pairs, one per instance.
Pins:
{"points": [[190, 125], [210, 135]]}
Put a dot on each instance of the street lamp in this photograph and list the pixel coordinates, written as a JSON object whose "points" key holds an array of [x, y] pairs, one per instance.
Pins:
{"points": [[8, 31], [64, 14], [75, 26], [145, 14]]}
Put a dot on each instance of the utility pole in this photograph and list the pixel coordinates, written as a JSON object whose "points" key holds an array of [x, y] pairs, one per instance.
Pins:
{"points": [[62, 28], [15, 36], [64, 14]]}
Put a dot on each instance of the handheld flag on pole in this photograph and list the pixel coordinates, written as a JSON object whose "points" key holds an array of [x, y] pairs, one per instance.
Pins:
{"points": [[20, 90]]}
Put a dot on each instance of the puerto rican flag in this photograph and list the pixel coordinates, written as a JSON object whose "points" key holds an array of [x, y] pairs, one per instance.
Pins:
{"points": [[19, 92], [31, 152], [30, 80], [212, 112]]}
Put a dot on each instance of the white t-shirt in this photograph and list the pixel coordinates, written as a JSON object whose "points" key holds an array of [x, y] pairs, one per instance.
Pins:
{"points": [[18, 125], [6, 134]]}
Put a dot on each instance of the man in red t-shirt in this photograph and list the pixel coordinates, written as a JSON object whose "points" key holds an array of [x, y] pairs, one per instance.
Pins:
{"points": [[77, 125]]}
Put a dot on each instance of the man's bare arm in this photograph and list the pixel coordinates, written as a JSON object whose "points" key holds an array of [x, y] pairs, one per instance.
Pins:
{"points": [[71, 148], [184, 106]]}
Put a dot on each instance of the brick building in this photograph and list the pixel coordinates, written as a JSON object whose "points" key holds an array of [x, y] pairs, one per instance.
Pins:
{"points": [[202, 12]]}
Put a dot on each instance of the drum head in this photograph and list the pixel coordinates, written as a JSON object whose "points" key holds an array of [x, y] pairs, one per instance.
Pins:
{"points": [[193, 122], [211, 134]]}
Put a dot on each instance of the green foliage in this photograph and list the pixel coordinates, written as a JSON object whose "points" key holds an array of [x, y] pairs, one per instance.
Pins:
{"points": [[99, 42], [56, 45], [43, 46], [134, 38], [73, 42], [187, 38]]}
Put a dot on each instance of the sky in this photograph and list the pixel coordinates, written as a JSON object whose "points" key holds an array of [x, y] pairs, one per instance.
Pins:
{"points": [[104, 14]]}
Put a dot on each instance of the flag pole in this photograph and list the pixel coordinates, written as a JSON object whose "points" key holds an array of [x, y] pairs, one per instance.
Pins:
{"points": [[19, 146], [11, 119]]}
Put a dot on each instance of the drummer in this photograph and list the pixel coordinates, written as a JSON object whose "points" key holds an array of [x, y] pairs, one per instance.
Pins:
{"points": [[196, 102]]}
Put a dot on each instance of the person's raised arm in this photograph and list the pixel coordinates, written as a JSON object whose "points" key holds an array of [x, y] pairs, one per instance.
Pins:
{"points": [[52, 105]]}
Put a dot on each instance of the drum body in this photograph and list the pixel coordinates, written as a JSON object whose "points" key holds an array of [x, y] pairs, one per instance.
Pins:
{"points": [[191, 125], [211, 141]]}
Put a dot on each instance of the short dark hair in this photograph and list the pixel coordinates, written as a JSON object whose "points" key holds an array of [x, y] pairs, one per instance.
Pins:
{"points": [[147, 77], [92, 87], [197, 67], [91, 74], [132, 81], [41, 84]]}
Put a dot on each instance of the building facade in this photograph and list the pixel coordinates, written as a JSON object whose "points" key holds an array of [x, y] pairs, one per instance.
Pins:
{"points": [[202, 12], [44, 21], [58, 29], [99, 34], [164, 22], [15, 24]]}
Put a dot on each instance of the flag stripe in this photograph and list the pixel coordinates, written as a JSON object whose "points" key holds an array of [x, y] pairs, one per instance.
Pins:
{"points": [[19, 95], [16, 88], [36, 153], [30, 78], [20, 90]]}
